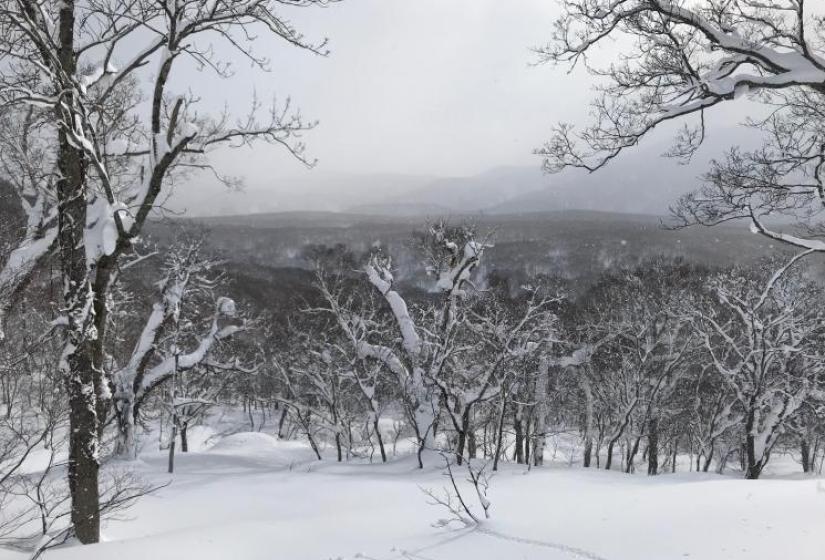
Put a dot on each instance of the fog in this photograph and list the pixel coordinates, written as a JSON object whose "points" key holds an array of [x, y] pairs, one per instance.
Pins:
{"points": [[412, 92]]}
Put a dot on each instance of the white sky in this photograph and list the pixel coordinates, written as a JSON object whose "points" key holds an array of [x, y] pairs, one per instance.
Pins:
{"points": [[422, 87], [442, 87]]}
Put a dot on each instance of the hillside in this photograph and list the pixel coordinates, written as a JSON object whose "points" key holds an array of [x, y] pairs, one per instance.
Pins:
{"points": [[574, 245]]}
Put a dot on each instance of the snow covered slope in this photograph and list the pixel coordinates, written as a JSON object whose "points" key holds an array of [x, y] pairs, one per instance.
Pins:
{"points": [[253, 497]]}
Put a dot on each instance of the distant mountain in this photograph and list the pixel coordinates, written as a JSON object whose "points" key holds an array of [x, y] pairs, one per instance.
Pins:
{"points": [[577, 245], [463, 195], [640, 181], [400, 209], [635, 184], [624, 187]]}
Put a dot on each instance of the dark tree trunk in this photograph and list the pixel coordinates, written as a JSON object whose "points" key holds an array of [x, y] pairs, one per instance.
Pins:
{"points": [[588, 451], [380, 440], [609, 462], [754, 466], [675, 455], [281, 422], [708, 460], [313, 445], [472, 449], [184, 441], [653, 447], [464, 437], [83, 469], [518, 453], [805, 449], [459, 447], [338, 446], [616, 436], [527, 441], [588, 419], [500, 431], [631, 454], [83, 378]]}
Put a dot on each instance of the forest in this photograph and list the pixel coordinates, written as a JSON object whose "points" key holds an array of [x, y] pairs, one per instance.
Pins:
{"points": [[182, 387]]}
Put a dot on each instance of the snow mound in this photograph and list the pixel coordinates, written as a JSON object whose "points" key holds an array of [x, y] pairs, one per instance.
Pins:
{"points": [[201, 437], [245, 442], [262, 450]]}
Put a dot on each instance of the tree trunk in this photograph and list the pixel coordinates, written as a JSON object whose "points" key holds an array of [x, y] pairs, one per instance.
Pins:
{"points": [[423, 416], [172, 443], [588, 419], [675, 455], [472, 448], [281, 421], [380, 440], [754, 465], [500, 430], [125, 442], [609, 462], [708, 460], [527, 441], [462, 436], [540, 398], [588, 452], [184, 441], [805, 449], [518, 453], [82, 377], [632, 450], [653, 447], [83, 469], [338, 446], [314, 445], [616, 436]]}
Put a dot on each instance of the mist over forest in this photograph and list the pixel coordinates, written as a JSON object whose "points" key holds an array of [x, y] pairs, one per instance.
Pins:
{"points": [[394, 280]]}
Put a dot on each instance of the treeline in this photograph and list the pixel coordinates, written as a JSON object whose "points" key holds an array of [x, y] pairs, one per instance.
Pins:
{"points": [[654, 362]]}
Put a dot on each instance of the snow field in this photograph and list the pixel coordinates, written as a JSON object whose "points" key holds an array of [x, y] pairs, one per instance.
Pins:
{"points": [[250, 496]]}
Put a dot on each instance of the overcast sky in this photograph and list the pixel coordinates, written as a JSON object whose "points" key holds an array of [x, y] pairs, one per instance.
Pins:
{"points": [[422, 87]]}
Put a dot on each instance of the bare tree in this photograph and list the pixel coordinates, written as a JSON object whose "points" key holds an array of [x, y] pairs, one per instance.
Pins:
{"points": [[426, 344], [762, 338], [491, 342], [115, 155], [159, 352], [783, 178], [679, 59], [27, 163]]}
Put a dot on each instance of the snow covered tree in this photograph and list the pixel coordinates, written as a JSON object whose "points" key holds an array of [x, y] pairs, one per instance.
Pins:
{"points": [[83, 63], [678, 59], [354, 309], [32, 422], [27, 164], [642, 348], [493, 340], [783, 178], [452, 254], [160, 351], [763, 338], [713, 418]]}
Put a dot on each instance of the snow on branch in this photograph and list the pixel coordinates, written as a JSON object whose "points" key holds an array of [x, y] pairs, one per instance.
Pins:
{"points": [[680, 60], [159, 373], [379, 274]]}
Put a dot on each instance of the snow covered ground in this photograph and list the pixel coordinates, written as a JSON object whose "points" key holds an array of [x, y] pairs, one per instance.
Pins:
{"points": [[252, 497]]}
